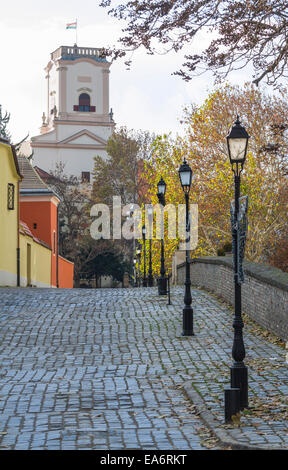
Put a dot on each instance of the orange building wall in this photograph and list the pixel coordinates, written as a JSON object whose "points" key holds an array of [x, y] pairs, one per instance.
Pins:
{"points": [[44, 214], [66, 273]]}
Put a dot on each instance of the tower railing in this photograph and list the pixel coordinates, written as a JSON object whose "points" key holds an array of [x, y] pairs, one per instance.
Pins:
{"points": [[72, 51]]}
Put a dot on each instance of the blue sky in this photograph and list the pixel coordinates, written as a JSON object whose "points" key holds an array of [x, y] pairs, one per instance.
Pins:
{"points": [[147, 97]]}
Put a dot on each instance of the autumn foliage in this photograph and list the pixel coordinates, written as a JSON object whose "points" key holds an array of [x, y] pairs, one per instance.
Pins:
{"points": [[264, 179]]}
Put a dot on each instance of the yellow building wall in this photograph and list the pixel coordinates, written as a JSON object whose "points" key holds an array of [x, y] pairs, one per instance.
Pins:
{"points": [[8, 218], [37, 271]]}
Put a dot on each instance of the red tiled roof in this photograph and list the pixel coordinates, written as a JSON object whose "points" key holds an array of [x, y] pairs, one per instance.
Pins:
{"points": [[42, 173], [26, 231]]}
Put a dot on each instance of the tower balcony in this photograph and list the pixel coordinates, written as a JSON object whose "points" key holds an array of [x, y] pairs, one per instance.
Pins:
{"points": [[75, 52]]}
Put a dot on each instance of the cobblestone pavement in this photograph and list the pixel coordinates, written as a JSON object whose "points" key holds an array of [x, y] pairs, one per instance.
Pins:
{"points": [[105, 369]]}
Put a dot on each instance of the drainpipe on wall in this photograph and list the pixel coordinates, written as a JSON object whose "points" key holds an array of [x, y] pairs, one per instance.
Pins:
{"points": [[18, 235], [57, 267]]}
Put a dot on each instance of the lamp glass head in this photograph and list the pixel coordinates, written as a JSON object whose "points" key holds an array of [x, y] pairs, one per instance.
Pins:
{"points": [[161, 186], [185, 175], [237, 143]]}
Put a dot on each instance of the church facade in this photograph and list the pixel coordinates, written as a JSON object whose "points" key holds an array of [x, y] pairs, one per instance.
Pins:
{"points": [[77, 122]]}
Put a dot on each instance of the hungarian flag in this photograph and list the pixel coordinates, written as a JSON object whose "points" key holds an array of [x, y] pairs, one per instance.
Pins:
{"points": [[71, 25]]}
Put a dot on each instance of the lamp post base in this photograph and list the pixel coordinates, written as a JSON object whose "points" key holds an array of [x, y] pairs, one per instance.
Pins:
{"points": [[188, 321], [239, 379], [144, 282], [150, 281], [162, 286]]}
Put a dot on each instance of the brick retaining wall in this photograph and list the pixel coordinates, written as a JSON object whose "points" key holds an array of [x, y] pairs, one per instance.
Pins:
{"points": [[264, 292]]}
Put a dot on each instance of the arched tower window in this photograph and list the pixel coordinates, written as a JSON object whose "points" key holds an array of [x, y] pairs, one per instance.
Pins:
{"points": [[84, 104]]}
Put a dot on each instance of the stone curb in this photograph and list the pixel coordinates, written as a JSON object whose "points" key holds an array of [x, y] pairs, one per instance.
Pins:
{"points": [[221, 434]]}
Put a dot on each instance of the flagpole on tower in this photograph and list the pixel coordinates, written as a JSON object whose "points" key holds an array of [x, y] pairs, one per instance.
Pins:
{"points": [[73, 26], [76, 31]]}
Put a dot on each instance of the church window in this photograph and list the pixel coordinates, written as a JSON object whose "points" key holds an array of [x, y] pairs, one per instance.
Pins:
{"points": [[84, 104], [85, 176]]}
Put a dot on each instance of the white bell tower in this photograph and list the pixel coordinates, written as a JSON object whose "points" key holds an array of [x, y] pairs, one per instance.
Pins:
{"points": [[77, 123]]}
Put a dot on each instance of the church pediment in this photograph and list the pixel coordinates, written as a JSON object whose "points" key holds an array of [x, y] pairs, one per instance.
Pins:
{"points": [[80, 140], [83, 137], [49, 136]]}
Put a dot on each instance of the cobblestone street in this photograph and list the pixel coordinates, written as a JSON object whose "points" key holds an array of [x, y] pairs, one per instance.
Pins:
{"points": [[105, 369]]}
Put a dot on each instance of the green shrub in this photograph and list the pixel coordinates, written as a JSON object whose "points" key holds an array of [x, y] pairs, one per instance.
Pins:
{"points": [[227, 247]]}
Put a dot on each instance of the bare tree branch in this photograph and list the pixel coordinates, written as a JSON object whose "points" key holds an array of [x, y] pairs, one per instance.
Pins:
{"points": [[249, 32]]}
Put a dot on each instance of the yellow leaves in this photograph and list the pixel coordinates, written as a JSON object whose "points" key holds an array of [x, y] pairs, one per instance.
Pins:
{"points": [[236, 419], [204, 147]]}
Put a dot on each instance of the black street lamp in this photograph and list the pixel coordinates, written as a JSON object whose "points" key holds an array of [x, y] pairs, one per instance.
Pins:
{"points": [[138, 253], [129, 216], [150, 219], [135, 272], [162, 286], [144, 254], [185, 175], [237, 143]]}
